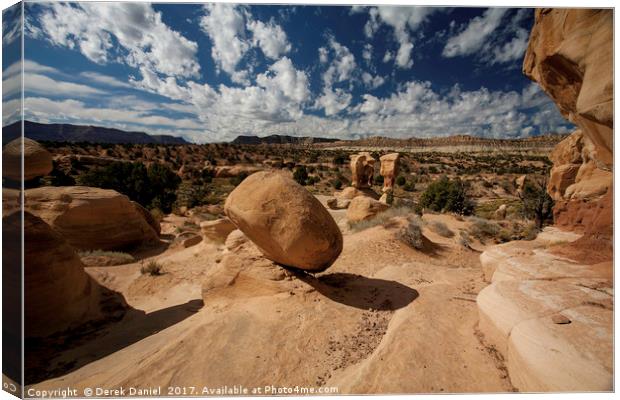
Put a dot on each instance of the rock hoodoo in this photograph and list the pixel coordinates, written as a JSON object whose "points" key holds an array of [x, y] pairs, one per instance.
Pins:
{"points": [[287, 223], [570, 56], [362, 170], [37, 160], [91, 218], [389, 170]]}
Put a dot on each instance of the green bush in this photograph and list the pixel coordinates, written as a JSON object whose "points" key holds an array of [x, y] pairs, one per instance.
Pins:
{"points": [[152, 268], [400, 181], [152, 187], [337, 184], [236, 180], [300, 175], [537, 204], [409, 187], [446, 195], [378, 180]]}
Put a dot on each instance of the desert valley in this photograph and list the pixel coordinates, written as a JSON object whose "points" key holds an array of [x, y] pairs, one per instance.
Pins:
{"points": [[454, 264]]}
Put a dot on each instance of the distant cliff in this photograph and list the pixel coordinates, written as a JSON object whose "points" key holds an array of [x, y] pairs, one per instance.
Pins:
{"points": [[280, 139], [82, 133]]}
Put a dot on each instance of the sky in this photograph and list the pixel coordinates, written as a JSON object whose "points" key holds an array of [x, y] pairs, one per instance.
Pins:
{"points": [[211, 72]]}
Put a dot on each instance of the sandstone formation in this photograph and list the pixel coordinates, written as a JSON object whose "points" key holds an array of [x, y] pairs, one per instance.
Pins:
{"points": [[549, 316], [364, 208], [348, 193], [229, 171], [362, 170], [148, 217], [570, 56], [287, 223], [389, 170], [91, 218], [217, 230], [37, 160], [338, 203], [59, 294]]}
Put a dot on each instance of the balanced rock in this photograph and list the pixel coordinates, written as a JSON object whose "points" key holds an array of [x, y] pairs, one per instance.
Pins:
{"points": [[363, 208], [362, 170], [217, 230], [37, 160], [235, 239], [59, 294], [287, 223], [389, 170], [91, 218]]}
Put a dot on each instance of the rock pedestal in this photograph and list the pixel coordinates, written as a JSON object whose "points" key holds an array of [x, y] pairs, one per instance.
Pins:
{"points": [[362, 170], [389, 170]]}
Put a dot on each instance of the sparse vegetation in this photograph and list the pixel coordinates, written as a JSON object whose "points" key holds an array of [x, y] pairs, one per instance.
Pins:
{"points": [[411, 234], [152, 268], [382, 218], [445, 195], [483, 229], [441, 229], [111, 257]]}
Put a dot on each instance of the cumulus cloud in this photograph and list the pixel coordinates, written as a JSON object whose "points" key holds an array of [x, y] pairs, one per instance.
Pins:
{"points": [[143, 40], [487, 36], [234, 32], [270, 37], [225, 25], [372, 82], [402, 20]]}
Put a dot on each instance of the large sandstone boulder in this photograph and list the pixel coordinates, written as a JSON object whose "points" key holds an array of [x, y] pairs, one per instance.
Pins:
{"points": [[59, 294], [363, 208], [362, 170], [148, 217], [389, 170], [217, 230], [37, 160], [91, 218], [570, 56], [287, 223]]}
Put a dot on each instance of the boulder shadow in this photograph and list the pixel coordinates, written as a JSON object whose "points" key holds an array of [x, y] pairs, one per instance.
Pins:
{"points": [[362, 292], [60, 354]]}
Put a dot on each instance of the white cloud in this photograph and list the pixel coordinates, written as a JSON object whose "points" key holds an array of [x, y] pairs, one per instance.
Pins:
{"points": [[145, 40], [473, 37], [225, 25], [104, 79], [372, 82], [402, 20], [367, 53], [512, 50], [11, 24], [270, 38], [388, 56], [342, 65], [333, 101]]}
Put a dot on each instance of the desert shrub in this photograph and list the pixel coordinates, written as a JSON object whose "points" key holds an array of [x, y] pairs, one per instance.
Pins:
{"points": [[382, 218], [464, 239], [537, 204], [401, 180], [300, 175], [482, 229], [152, 268], [441, 229], [389, 198], [378, 180], [337, 184], [59, 178], [154, 186], [115, 257], [340, 159], [411, 234], [409, 187], [530, 231], [446, 195]]}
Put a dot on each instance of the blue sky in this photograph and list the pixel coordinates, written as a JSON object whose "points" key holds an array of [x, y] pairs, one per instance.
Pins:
{"points": [[212, 72]]}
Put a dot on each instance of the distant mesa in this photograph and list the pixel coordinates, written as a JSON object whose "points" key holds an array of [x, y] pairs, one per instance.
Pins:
{"points": [[82, 133], [280, 139]]}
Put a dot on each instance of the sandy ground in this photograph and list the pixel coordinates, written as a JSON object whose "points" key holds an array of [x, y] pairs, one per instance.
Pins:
{"points": [[385, 318]]}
